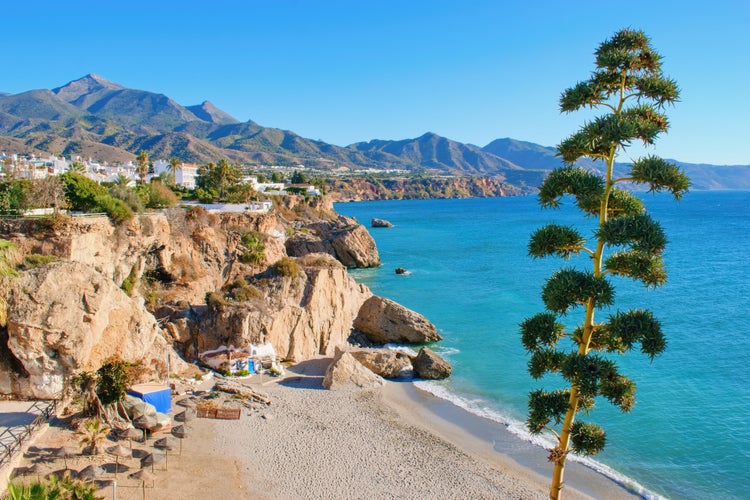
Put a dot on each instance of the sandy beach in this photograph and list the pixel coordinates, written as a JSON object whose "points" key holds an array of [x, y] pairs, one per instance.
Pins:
{"points": [[392, 442]]}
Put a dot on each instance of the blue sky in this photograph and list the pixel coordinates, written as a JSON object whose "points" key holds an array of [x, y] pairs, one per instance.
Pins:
{"points": [[349, 71]]}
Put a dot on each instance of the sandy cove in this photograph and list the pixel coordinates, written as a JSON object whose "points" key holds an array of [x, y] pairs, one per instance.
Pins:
{"points": [[393, 442]]}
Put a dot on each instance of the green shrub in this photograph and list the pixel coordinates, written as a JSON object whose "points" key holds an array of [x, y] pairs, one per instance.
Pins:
{"points": [[160, 196], [215, 302], [129, 283], [286, 266], [129, 196], [241, 291], [82, 192], [241, 373], [115, 209], [34, 260]]}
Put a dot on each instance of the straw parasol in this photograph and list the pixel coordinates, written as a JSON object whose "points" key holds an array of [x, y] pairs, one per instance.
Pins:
{"points": [[118, 451], [167, 445], [152, 459], [180, 432], [91, 472], [143, 476], [185, 416], [64, 452], [130, 434], [145, 423]]}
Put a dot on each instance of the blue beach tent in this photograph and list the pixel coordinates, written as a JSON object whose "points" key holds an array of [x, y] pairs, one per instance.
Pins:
{"points": [[158, 395]]}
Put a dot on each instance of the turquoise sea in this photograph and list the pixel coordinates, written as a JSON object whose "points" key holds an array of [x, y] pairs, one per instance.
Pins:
{"points": [[689, 433]]}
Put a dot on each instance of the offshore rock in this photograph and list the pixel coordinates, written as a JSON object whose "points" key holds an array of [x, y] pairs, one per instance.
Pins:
{"points": [[343, 237], [385, 362], [345, 372], [384, 321], [429, 365], [375, 222]]}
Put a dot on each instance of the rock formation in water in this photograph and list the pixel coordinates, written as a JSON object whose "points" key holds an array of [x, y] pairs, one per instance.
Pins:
{"points": [[375, 222]]}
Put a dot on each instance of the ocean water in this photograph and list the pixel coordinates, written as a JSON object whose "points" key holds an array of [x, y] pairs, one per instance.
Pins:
{"points": [[689, 433]]}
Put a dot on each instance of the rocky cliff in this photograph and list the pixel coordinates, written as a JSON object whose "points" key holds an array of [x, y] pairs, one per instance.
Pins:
{"points": [[418, 188], [181, 281]]}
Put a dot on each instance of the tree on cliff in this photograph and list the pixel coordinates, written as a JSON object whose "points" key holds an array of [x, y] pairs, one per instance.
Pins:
{"points": [[629, 86]]}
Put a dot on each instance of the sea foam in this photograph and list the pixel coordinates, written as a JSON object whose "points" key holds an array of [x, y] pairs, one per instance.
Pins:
{"points": [[478, 407]]}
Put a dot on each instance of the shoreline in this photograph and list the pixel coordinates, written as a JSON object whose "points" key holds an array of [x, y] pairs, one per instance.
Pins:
{"points": [[492, 439], [416, 439]]}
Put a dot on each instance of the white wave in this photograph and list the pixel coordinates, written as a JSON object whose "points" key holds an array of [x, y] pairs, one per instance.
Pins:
{"points": [[400, 348], [478, 407], [448, 351]]}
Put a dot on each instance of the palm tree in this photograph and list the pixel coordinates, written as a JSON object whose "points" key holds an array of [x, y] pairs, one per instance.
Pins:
{"points": [[121, 181], [76, 167], [142, 165], [91, 434], [173, 164]]}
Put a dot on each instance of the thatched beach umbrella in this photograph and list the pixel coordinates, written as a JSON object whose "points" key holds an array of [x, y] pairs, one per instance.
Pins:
{"points": [[152, 459], [65, 452], [185, 416], [180, 432], [145, 423], [167, 445], [143, 476], [118, 451], [91, 473], [130, 434]]}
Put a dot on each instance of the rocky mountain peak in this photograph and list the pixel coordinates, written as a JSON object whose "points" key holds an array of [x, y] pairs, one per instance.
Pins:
{"points": [[207, 111], [85, 85]]}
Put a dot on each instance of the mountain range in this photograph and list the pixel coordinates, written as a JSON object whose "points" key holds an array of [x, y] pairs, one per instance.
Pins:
{"points": [[94, 117]]}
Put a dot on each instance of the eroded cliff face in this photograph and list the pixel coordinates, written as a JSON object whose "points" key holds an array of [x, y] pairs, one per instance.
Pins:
{"points": [[302, 316], [66, 317], [139, 291]]}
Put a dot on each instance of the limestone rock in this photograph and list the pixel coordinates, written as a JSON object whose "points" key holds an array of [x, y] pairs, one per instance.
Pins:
{"points": [[375, 222], [343, 238], [65, 317], [345, 372], [429, 365], [385, 362], [303, 317], [383, 321]]}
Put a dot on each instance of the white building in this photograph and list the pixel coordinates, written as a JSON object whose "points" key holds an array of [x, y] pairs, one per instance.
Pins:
{"points": [[184, 175]]}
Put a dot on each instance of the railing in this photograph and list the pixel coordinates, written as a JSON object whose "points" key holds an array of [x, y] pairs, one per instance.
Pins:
{"points": [[12, 438], [39, 217]]}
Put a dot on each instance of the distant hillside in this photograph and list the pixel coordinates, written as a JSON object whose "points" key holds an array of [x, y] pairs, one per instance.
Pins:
{"points": [[94, 117]]}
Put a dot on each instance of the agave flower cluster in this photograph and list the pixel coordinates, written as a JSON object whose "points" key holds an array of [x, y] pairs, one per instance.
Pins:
{"points": [[629, 86]]}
